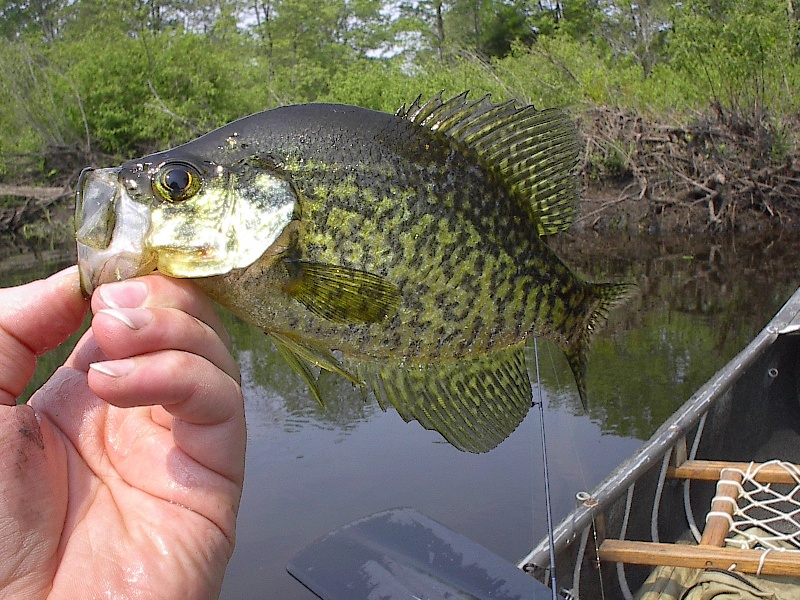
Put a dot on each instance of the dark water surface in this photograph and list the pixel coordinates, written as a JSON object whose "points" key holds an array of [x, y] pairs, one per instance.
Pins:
{"points": [[311, 470]]}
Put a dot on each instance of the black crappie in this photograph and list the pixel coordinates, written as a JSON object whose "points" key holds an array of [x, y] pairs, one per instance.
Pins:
{"points": [[409, 244]]}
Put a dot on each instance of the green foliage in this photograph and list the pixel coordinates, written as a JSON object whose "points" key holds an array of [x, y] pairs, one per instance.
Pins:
{"points": [[114, 79], [49, 233], [372, 83], [159, 89], [488, 28], [742, 54]]}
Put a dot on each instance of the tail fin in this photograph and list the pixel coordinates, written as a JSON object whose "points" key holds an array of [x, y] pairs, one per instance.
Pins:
{"points": [[606, 297]]}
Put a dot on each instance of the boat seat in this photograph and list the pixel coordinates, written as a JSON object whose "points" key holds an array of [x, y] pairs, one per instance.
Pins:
{"points": [[711, 553]]}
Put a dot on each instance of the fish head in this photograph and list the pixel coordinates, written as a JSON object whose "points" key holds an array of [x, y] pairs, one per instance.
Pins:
{"points": [[178, 214]]}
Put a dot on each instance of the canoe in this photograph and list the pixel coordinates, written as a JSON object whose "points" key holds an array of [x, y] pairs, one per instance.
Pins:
{"points": [[665, 518], [722, 468]]}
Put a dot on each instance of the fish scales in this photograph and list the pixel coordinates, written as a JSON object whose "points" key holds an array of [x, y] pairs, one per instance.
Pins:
{"points": [[426, 221], [411, 244]]}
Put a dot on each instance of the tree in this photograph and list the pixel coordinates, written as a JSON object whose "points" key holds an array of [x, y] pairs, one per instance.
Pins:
{"points": [[490, 27], [31, 18], [638, 30], [742, 53], [304, 42], [420, 24]]}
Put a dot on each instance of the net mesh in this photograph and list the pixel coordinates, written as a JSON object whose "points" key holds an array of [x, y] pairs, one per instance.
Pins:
{"points": [[765, 515]]}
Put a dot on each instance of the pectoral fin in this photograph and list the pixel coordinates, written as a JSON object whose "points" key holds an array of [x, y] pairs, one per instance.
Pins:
{"points": [[474, 404], [341, 294]]}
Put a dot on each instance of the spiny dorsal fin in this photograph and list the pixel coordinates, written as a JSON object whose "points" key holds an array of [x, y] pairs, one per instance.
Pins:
{"points": [[534, 152], [474, 404], [341, 294]]}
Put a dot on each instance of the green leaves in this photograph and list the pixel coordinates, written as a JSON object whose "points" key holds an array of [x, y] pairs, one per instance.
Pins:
{"points": [[742, 53], [125, 78]]}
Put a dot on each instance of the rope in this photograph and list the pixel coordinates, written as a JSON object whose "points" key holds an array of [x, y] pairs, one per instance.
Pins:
{"points": [[761, 560], [687, 505], [657, 502], [576, 573], [623, 581], [765, 515]]}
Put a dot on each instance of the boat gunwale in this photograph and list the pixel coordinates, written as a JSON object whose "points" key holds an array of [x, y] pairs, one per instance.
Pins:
{"points": [[786, 321]]}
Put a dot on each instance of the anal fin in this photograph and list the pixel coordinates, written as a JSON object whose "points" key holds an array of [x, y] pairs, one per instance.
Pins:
{"points": [[474, 404]]}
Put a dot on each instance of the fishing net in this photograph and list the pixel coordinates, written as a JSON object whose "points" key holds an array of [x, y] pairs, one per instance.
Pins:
{"points": [[760, 516], [765, 516]]}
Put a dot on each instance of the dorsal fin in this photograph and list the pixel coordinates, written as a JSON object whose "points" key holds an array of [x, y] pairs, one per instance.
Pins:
{"points": [[534, 152]]}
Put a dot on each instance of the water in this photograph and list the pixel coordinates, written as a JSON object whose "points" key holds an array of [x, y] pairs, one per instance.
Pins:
{"points": [[311, 470]]}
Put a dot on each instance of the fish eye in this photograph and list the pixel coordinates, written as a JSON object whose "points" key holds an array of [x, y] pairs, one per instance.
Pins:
{"points": [[177, 182]]}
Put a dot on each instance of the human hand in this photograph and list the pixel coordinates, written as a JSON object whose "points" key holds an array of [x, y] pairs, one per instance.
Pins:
{"points": [[122, 476]]}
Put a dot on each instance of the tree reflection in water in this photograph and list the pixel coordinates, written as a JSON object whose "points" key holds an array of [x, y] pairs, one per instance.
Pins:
{"points": [[311, 469]]}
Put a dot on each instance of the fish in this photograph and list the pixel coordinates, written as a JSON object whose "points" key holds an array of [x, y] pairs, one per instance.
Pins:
{"points": [[405, 252]]}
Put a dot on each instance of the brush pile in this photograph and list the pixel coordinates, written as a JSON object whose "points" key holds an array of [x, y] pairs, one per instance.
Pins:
{"points": [[722, 171]]}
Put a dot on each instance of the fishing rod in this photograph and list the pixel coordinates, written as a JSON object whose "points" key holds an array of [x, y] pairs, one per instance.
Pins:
{"points": [[547, 500]]}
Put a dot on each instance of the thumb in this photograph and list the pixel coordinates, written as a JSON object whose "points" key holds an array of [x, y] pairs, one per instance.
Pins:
{"points": [[34, 318]]}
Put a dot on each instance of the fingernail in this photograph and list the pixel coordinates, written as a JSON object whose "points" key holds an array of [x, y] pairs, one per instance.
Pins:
{"points": [[125, 294], [114, 368], [135, 318]]}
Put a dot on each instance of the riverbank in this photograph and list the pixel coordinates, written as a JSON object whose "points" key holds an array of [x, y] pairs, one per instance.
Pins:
{"points": [[720, 171]]}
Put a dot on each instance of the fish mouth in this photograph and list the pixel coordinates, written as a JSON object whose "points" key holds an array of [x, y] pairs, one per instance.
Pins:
{"points": [[110, 230]]}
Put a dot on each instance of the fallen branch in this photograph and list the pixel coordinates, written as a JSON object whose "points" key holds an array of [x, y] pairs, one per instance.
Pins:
{"points": [[724, 159], [35, 203], [46, 194]]}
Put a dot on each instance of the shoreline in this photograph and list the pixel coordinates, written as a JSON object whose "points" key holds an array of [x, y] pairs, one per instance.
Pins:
{"points": [[605, 209], [715, 172]]}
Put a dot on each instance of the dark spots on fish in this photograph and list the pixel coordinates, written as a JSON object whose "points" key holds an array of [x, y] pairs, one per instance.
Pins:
{"points": [[478, 326], [414, 346], [395, 340], [480, 263], [494, 281], [294, 321], [420, 243], [449, 312], [439, 335], [422, 290]]}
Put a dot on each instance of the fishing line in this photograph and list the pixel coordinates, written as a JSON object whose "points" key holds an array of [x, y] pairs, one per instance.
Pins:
{"points": [[571, 437], [548, 504]]}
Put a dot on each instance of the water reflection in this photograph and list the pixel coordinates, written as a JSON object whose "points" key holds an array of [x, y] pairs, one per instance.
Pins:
{"points": [[312, 469], [282, 391], [699, 302]]}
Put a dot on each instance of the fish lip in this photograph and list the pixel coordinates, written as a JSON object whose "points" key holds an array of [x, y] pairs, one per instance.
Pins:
{"points": [[111, 228]]}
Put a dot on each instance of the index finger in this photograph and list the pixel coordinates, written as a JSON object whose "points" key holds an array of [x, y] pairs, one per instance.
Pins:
{"points": [[163, 292]]}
